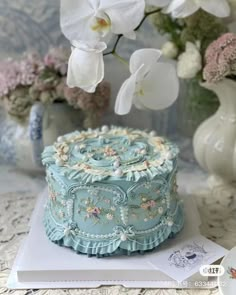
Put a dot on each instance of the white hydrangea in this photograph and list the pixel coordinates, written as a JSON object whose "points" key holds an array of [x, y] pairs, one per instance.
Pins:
{"points": [[169, 49], [189, 62]]}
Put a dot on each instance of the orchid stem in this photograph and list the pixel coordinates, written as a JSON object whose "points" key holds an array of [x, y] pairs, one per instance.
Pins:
{"points": [[145, 16], [115, 45], [113, 51], [121, 59]]}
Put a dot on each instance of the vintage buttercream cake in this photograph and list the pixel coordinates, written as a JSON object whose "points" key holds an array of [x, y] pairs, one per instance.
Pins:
{"points": [[111, 191]]}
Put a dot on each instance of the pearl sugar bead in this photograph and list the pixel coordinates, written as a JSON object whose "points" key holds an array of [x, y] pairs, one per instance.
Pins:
{"points": [[60, 139], [153, 133], [170, 223], [119, 172], [123, 237], [116, 164], [105, 129], [77, 148]]}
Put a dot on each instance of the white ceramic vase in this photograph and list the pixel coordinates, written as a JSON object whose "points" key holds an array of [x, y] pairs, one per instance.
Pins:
{"points": [[215, 139], [21, 145]]}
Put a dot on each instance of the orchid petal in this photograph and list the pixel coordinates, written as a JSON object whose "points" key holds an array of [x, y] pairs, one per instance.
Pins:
{"points": [[219, 8], [93, 20], [158, 3], [139, 104], [125, 15], [126, 94], [160, 88], [182, 8], [86, 67], [130, 35], [147, 56], [76, 17]]}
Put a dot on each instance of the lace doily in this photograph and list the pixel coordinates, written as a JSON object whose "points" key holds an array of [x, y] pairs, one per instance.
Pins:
{"points": [[217, 209]]}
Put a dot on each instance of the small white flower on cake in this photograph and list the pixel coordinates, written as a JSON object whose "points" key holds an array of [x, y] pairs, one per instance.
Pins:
{"points": [[109, 216], [149, 84]]}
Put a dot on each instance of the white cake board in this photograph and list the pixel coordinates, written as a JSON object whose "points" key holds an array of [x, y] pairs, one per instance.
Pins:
{"points": [[42, 264]]}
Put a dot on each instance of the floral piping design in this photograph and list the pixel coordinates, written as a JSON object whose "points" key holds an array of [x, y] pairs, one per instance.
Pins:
{"points": [[124, 233], [57, 204], [153, 199], [149, 208], [105, 213], [95, 155]]}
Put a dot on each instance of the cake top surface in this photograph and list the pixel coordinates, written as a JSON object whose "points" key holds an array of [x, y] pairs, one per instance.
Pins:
{"points": [[117, 153]]}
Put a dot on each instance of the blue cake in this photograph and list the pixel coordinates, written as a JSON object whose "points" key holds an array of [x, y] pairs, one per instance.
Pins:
{"points": [[112, 191]]}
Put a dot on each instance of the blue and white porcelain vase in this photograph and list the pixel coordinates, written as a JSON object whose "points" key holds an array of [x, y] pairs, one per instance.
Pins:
{"points": [[21, 145]]}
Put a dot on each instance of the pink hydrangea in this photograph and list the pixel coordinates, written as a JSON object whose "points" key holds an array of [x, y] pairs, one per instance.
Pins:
{"points": [[9, 76], [35, 79], [29, 69], [98, 101], [220, 58], [3, 85], [18, 73], [57, 58]]}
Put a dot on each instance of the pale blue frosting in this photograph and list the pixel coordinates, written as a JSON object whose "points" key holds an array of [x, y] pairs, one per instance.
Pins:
{"points": [[111, 189], [127, 149]]}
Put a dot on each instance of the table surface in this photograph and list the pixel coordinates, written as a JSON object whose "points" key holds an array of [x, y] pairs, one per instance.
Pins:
{"points": [[18, 194]]}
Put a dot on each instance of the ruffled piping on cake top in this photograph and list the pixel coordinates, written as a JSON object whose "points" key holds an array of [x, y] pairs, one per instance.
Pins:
{"points": [[57, 234], [86, 177]]}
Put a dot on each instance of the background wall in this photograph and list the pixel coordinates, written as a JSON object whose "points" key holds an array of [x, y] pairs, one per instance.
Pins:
{"points": [[34, 25]]}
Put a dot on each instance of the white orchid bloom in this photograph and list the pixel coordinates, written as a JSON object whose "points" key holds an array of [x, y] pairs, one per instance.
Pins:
{"points": [[86, 65], [158, 3], [184, 8], [96, 20], [152, 84]]}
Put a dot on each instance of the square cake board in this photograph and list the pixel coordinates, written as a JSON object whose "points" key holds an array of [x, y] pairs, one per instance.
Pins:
{"points": [[41, 264]]}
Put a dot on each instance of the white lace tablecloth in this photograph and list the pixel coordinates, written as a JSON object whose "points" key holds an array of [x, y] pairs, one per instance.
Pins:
{"points": [[17, 199]]}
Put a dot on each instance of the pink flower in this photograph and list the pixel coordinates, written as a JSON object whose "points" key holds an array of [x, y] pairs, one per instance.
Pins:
{"points": [[57, 58], [98, 101], [19, 73], [220, 58], [96, 211]]}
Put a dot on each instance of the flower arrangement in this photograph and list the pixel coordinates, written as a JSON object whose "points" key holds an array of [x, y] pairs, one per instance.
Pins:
{"points": [[190, 28], [190, 25], [220, 59], [33, 78]]}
